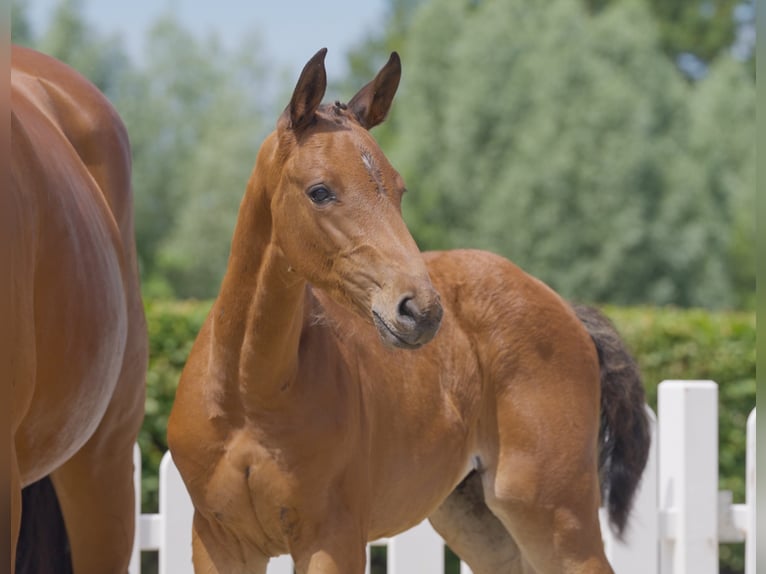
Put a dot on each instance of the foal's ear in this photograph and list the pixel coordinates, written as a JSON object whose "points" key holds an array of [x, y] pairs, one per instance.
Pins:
{"points": [[372, 102], [308, 92]]}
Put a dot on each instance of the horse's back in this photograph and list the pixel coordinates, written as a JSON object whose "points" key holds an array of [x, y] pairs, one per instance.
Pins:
{"points": [[488, 291], [523, 331], [76, 312]]}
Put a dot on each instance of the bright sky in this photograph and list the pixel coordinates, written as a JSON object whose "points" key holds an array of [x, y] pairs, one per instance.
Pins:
{"points": [[291, 30]]}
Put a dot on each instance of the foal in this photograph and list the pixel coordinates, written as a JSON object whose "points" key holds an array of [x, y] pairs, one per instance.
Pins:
{"points": [[306, 422]]}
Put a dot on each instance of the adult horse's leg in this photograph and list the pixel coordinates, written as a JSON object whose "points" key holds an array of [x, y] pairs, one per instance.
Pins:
{"points": [[474, 533], [95, 487], [541, 477], [95, 491]]}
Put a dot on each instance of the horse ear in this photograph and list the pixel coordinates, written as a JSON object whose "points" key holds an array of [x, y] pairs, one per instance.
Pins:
{"points": [[372, 102], [308, 92]]}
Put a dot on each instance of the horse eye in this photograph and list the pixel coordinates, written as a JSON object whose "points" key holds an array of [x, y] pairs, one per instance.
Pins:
{"points": [[320, 195]]}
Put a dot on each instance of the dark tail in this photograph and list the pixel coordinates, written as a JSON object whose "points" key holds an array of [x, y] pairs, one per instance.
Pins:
{"points": [[624, 437], [43, 546]]}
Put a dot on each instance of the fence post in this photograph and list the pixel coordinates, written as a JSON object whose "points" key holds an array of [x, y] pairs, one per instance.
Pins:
{"points": [[135, 557], [177, 512], [417, 551], [750, 540], [280, 565], [688, 484], [639, 553]]}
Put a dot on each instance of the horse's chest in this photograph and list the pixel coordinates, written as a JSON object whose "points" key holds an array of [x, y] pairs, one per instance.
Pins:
{"points": [[261, 491]]}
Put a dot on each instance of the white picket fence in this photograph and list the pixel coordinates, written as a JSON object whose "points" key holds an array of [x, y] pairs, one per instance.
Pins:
{"points": [[678, 522]]}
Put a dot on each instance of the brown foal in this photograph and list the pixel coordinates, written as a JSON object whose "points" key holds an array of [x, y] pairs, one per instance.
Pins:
{"points": [[345, 386], [75, 327]]}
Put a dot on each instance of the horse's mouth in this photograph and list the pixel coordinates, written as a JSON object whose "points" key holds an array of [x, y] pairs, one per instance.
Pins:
{"points": [[389, 335]]}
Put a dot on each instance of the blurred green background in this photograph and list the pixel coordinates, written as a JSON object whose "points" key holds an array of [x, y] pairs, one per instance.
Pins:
{"points": [[606, 146]]}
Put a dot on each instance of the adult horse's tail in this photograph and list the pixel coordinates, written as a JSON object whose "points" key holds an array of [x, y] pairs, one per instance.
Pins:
{"points": [[43, 547], [624, 437]]}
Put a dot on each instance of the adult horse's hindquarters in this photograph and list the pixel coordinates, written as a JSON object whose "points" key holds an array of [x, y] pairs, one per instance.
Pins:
{"points": [[75, 323]]}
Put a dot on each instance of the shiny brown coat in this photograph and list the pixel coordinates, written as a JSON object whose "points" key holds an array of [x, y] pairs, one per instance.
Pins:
{"points": [[79, 346], [344, 384]]}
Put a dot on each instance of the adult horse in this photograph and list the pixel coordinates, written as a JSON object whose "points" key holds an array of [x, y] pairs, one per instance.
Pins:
{"points": [[307, 422], [76, 323]]}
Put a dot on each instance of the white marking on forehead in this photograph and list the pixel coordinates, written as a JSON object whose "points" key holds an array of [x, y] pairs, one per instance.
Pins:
{"points": [[373, 170], [369, 163]]}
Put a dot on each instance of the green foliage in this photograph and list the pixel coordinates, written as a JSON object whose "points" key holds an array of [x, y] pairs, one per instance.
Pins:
{"points": [[532, 129], [173, 326], [702, 27], [21, 29], [668, 343], [71, 39], [571, 143], [194, 116], [694, 344], [724, 159]]}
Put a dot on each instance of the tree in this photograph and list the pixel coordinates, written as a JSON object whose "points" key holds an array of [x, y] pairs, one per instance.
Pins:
{"points": [[193, 114], [71, 39], [419, 148], [695, 33], [21, 29], [560, 140], [722, 141], [194, 117], [369, 55]]}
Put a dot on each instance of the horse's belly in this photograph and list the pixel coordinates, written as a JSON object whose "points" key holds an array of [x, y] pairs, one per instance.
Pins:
{"points": [[411, 497], [80, 326]]}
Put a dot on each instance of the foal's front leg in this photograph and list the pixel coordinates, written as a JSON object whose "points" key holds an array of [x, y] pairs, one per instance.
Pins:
{"points": [[332, 557], [214, 552], [336, 545]]}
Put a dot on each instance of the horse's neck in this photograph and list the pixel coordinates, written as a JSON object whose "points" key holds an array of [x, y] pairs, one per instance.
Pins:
{"points": [[258, 316]]}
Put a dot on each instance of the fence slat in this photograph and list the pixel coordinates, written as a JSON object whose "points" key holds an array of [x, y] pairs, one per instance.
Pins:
{"points": [[750, 496], [135, 556], [177, 512], [688, 485], [417, 551], [280, 565]]}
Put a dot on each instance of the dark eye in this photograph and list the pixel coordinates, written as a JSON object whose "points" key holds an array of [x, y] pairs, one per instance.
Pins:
{"points": [[320, 195]]}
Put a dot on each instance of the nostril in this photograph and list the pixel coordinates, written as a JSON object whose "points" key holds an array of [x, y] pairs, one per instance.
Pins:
{"points": [[408, 309]]}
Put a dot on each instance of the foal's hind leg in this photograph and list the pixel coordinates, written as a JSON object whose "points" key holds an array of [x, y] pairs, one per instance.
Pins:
{"points": [[474, 533], [541, 477]]}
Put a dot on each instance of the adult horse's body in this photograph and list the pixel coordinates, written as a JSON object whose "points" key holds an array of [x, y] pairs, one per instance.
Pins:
{"points": [[296, 430], [76, 324]]}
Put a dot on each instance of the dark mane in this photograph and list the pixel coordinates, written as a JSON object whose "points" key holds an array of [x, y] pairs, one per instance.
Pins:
{"points": [[336, 112]]}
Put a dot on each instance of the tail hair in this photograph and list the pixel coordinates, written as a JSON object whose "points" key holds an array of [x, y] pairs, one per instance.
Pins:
{"points": [[624, 436], [43, 546]]}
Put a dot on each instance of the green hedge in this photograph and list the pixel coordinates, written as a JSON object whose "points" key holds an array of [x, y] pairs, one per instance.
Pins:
{"points": [[172, 326], [668, 343]]}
